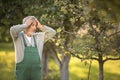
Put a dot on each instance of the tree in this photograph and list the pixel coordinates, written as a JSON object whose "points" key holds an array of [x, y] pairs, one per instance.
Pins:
{"points": [[8, 9], [100, 42], [12, 12], [67, 15]]}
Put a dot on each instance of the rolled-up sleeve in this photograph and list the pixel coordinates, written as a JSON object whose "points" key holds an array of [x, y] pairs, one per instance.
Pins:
{"points": [[14, 30], [49, 32]]}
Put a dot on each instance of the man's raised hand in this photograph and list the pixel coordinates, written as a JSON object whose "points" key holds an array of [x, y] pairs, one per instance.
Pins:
{"points": [[29, 21]]}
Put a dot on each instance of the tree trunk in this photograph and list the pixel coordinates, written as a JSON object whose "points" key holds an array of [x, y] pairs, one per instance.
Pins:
{"points": [[45, 63], [101, 73], [64, 72], [63, 64]]}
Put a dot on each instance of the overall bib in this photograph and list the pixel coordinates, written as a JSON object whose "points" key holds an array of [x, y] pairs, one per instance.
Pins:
{"points": [[29, 68]]}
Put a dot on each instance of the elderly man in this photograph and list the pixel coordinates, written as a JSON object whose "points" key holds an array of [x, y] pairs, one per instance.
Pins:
{"points": [[28, 47]]}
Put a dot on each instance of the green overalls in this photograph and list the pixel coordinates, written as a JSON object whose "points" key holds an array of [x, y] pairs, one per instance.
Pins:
{"points": [[29, 68]]}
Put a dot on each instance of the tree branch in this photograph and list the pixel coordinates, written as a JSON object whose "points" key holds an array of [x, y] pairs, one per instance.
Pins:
{"points": [[79, 57], [69, 32], [118, 58], [56, 57], [114, 33], [53, 52], [91, 25]]}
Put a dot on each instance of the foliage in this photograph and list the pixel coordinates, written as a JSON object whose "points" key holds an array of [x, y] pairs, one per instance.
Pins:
{"points": [[111, 7], [67, 17], [102, 34]]}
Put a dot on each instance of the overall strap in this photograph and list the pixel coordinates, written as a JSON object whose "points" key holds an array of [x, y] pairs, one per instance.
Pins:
{"points": [[35, 41], [25, 44]]}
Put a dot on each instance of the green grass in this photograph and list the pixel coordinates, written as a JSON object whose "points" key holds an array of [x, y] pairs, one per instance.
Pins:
{"points": [[78, 70], [6, 65], [6, 47]]}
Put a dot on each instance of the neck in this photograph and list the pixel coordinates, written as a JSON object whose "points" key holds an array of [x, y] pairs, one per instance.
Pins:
{"points": [[28, 33]]}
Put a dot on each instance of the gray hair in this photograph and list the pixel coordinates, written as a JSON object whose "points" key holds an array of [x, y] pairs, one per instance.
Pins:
{"points": [[25, 19]]}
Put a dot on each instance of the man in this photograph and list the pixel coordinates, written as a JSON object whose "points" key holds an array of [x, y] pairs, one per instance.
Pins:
{"points": [[28, 47]]}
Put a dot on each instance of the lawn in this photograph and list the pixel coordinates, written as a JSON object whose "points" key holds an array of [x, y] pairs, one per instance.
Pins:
{"points": [[78, 70]]}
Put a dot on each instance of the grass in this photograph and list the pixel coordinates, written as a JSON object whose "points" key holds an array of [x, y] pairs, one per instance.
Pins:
{"points": [[6, 65], [78, 70], [6, 47]]}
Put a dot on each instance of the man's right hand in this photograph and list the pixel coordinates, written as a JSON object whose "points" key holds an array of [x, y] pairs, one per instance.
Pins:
{"points": [[28, 22]]}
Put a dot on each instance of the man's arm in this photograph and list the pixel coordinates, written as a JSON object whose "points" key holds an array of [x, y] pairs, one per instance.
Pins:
{"points": [[14, 30], [49, 32]]}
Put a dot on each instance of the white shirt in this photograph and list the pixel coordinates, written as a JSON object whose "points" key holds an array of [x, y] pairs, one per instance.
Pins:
{"points": [[29, 39]]}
